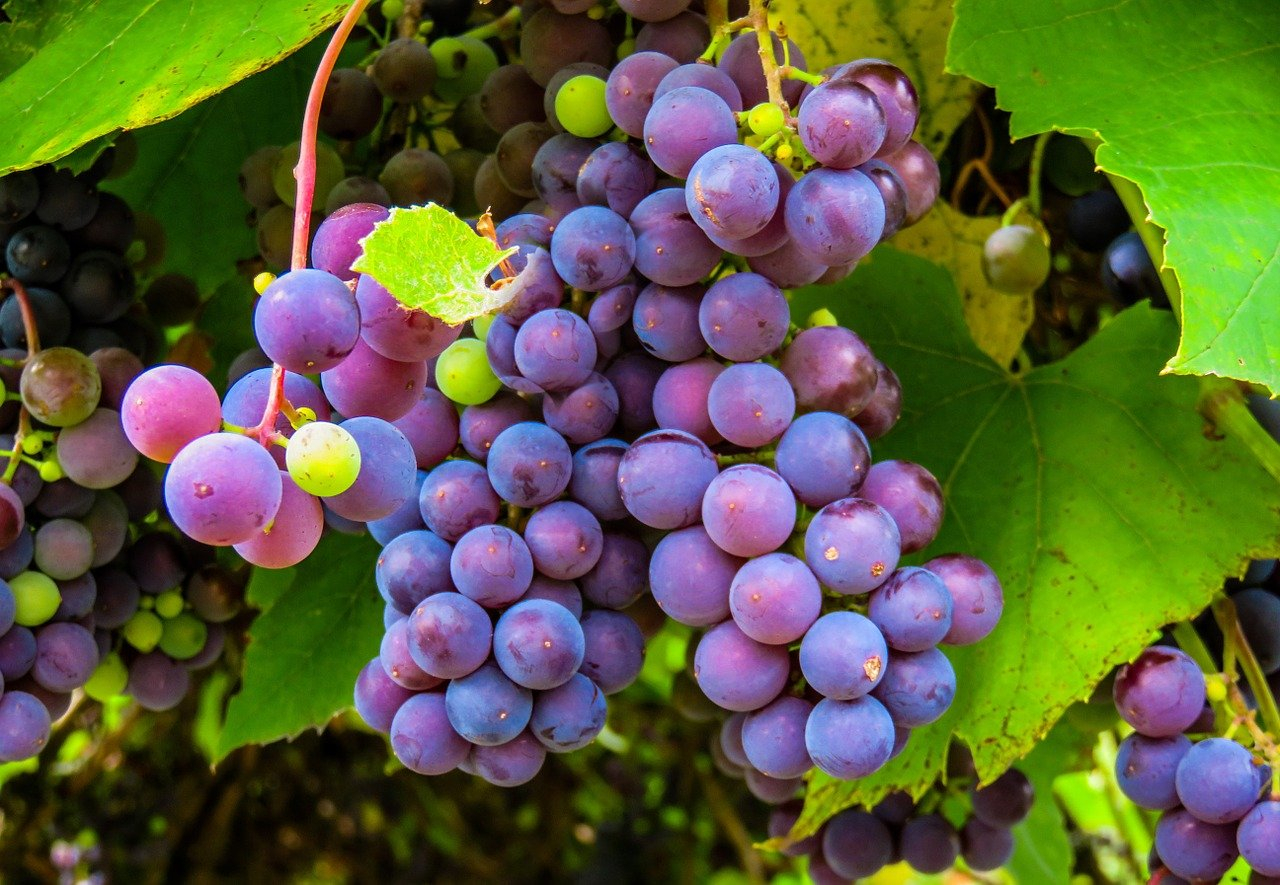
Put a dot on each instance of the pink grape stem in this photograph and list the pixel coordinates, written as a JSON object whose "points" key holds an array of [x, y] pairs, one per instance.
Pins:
{"points": [[28, 315]]}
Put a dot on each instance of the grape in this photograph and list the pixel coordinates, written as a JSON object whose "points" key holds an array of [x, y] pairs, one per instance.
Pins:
{"points": [[157, 562], [912, 496], [17, 652], [751, 404], [671, 250], [615, 175], [156, 682], [423, 738], [730, 740], [529, 464], [456, 497], [412, 567], [741, 61], [852, 545], [491, 565], [1095, 219], [644, 474], [352, 105], [536, 288], [307, 321], [1145, 769], [736, 672], [843, 655], [1259, 614], [744, 317], [919, 172], [246, 401], [1161, 693], [771, 790], [66, 655], [449, 635], [748, 510], [500, 356], [1129, 274], [24, 726], [775, 599], [323, 458], [528, 229], [356, 189], [912, 609], [19, 194], [732, 191], [167, 407], [404, 71], [781, 821], [480, 424], [60, 386], [1256, 838], [430, 428], [64, 549], [584, 414], [550, 41], [95, 453], [108, 680], [538, 644], [257, 185], [367, 383], [631, 86], [67, 201], [564, 539], [515, 153], [570, 716], [787, 266], [985, 847], [36, 598], [976, 593], [291, 535], [856, 844], [52, 317], [463, 373], [842, 124], [511, 764], [823, 457], [849, 739], [509, 97], [486, 707], [117, 598], [417, 176], [683, 125], [555, 350], [773, 738], [614, 650], [690, 577], [1193, 849], [1015, 259], [563, 593], [98, 287], [618, 577], [917, 687], [929, 843], [594, 483], [397, 660], [396, 332], [1217, 781], [78, 595], [12, 515], [593, 248], [580, 106], [680, 398], [894, 93], [554, 174], [37, 255], [683, 37], [222, 488], [665, 320], [385, 475], [8, 605], [704, 77], [835, 216]]}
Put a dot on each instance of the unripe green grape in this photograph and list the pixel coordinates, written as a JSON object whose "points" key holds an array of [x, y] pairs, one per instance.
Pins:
{"points": [[169, 604], [464, 375], [822, 317], [1015, 259], [462, 66], [323, 459], [60, 386], [183, 636], [50, 469], [36, 598], [32, 443], [482, 325], [108, 680], [143, 631], [329, 171], [392, 9], [580, 107], [765, 119]]}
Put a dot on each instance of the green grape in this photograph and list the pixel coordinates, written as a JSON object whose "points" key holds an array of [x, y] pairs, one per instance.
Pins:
{"points": [[482, 325], [580, 106], [323, 459], [329, 171], [822, 317], [143, 631], [462, 66], [392, 9], [50, 468], [108, 680], [60, 386], [36, 597], [183, 636], [1015, 259], [463, 373], [169, 604], [32, 443], [147, 603], [765, 119]]}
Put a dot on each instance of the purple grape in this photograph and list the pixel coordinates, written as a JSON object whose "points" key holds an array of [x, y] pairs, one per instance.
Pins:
{"points": [[912, 609], [732, 191], [246, 401], [307, 321], [775, 599], [984, 847], [529, 464], [480, 425], [96, 453], [842, 124], [586, 413], [500, 348], [671, 249], [449, 635], [66, 655], [570, 716], [911, 495], [1257, 838], [630, 88], [17, 653], [457, 497], [773, 738], [367, 383], [683, 37], [593, 248], [929, 843], [849, 739], [222, 489], [78, 597], [1006, 801], [64, 549], [680, 398], [614, 650], [741, 61], [857, 844], [977, 597], [823, 457], [852, 545], [24, 726], [1193, 849], [491, 565], [1161, 693], [555, 169], [771, 790], [8, 607], [594, 483], [516, 762], [336, 244], [564, 539], [167, 407], [117, 599], [1217, 780], [894, 93], [1145, 769], [413, 566], [538, 644], [555, 350], [690, 577], [618, 577], [612, 308], [744, 317], [407, 519], [487, 708], [748, 510], [666, 322], [537, 287], [683, 125], [730, 740], [917, 687], [736, 672], [397, 660], [919, 173], [563, 593], [835, 215], [781, 822], [423, 738], [705, 77], [787, 266], [525, 229], [157, 682], [396, 332], [843, 655], [644, 478], [751, 404], [892, 190], [387, 472], [616, 175], [431, 428]]}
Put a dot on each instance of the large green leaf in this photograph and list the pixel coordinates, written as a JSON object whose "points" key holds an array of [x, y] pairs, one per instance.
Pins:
{"points": [[74, 70], [1088, 485], [306, 649], [1183, 95]]}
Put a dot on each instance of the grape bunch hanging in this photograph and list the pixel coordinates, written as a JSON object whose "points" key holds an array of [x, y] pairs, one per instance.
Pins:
{"points": [[641, 417]]}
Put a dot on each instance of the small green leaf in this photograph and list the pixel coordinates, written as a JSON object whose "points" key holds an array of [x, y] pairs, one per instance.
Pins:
{"points": [[75, 70], [430, 259], [1042, 848], [306, 650]]}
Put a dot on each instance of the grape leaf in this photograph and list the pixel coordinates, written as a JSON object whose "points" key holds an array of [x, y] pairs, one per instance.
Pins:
{"points": [[1087, 484], [910, 33], [1042, 849], [1199, 134], [306, 649], [430, 259], [75, 70]]}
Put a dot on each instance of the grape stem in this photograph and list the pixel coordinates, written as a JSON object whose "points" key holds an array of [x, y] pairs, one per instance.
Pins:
{"points": [[1224, 612], [759, 18], [1036, 172], [717, 15], [15, 458], [1222, 403], [29, 327], [407, 24], [499, 27]]}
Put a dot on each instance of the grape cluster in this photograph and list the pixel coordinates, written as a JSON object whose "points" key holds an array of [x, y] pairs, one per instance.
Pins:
{"points": [[975, 825], [1215, 797], [94, 594]]}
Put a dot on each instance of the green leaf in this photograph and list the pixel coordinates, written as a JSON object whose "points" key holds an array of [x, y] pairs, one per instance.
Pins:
{"points": [[306, 650], [1182, 94], [75, 70], [910, 33], [227, 316], [430, 259], [1087, 484], [1042, 851]]}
